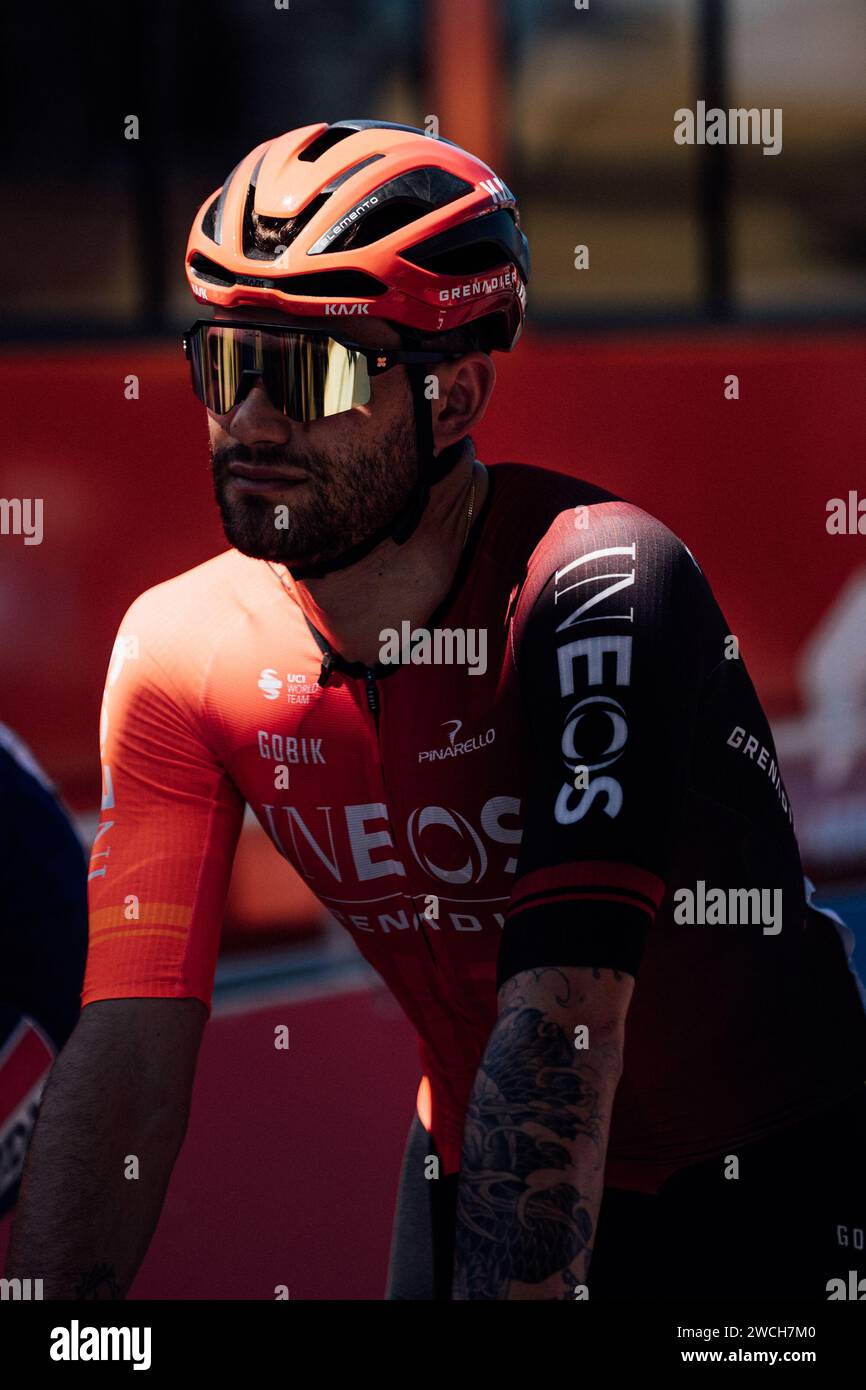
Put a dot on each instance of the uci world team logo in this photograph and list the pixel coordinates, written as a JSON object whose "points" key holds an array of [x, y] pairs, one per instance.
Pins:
{"points": [[270, 684]]}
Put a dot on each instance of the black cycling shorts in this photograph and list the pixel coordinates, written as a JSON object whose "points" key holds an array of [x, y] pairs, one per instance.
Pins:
{"points": [[793, 1220]]}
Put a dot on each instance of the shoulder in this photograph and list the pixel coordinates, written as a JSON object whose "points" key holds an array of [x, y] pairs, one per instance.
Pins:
{"points": [[168, 637], [186, 614], [572, 527], [212, 584]]}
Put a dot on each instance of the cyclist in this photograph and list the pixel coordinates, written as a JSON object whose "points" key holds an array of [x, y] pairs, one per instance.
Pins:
{"points": [[494, 718]]}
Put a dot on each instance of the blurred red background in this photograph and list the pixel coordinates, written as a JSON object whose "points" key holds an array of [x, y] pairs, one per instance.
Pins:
{"points": [[128, 502]]}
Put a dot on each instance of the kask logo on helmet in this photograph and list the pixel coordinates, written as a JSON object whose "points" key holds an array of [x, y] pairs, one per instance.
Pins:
{"points": [[498, 190]]}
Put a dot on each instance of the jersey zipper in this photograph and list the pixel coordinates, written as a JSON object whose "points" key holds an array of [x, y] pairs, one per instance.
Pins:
{"points": [[374, 706], [373, 699]]}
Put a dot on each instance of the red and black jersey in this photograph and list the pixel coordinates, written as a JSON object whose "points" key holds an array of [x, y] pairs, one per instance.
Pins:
{"points": [[568, 765]]}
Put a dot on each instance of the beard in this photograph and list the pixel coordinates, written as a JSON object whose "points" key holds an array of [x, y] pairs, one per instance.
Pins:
{"points": [[347, 496]]}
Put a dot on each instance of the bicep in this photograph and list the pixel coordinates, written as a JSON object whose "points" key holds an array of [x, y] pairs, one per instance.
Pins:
{"points": [[610, 675], [585, 1007]]}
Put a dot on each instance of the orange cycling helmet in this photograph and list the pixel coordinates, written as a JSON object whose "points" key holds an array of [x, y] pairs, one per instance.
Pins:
{"points": [[372, 218]]}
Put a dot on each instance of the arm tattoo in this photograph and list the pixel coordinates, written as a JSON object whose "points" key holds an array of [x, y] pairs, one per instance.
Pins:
{"points": [[512, 991], [522, 1216], [100, 1282]]}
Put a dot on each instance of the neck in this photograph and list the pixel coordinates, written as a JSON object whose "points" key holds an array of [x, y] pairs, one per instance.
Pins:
{"points": [[396, 583]]}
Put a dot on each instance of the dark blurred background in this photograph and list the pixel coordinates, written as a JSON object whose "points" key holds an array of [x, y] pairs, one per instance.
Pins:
{"points": [[575, 107]]}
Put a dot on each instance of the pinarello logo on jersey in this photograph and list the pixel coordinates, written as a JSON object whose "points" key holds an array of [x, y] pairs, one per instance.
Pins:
{"points": [[454, 747]]}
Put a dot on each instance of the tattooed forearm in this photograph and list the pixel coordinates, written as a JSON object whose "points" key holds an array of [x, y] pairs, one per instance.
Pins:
{"points": [[534, 1144], [561, 982]]}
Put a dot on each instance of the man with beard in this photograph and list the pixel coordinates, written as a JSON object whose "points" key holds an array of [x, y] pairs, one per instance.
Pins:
{"points": [[507, 845]]}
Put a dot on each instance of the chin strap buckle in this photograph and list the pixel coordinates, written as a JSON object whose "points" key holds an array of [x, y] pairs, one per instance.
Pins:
{"points": [[327, 664]]}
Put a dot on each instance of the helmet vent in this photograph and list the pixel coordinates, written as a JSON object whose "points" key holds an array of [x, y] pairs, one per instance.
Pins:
{"points": [[209, 271], [392, 205], [354, 126], [353, 169], [266, 237], [324, 142], [334, 284], [328, 284], [208, 222], [473, 247], [468, 260], [382, 222]]}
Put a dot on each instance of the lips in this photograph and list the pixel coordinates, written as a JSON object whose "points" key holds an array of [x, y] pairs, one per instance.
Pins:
{"points": [[265, 473]]}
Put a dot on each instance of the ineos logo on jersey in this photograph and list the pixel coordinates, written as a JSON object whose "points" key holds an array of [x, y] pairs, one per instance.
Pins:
{"points": [[625, 579], [593, 660], [597, 720], [473, 870], [432, 833]]}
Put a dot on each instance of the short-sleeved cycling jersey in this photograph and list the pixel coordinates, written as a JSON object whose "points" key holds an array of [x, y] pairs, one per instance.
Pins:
{"points": [[569, 766]]}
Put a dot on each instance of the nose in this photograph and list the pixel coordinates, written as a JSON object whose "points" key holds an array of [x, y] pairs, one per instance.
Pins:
{"points": [[257, 418]]}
